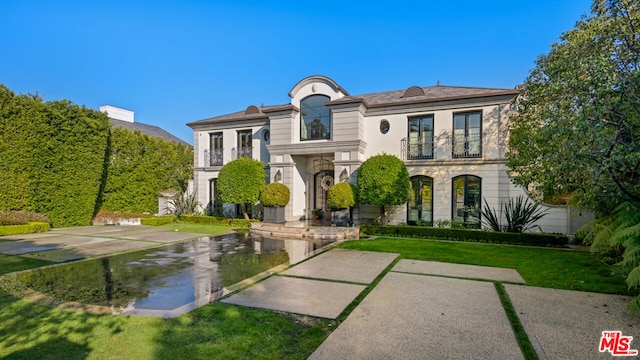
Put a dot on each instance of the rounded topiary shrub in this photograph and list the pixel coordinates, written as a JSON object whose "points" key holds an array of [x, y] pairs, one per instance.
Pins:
{"points": [[275, 194], [341, 196]]}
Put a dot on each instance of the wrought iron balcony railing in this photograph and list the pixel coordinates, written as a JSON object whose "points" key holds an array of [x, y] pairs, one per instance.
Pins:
{"points": [[213, 157], [467, 146], [415, 149], [242, 152]]}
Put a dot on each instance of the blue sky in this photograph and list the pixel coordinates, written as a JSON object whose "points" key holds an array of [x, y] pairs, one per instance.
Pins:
{"points": [[173, 62]]}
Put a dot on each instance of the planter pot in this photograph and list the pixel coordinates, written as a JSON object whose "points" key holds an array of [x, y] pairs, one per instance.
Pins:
{"points": [[341, 217], [274, 214]]}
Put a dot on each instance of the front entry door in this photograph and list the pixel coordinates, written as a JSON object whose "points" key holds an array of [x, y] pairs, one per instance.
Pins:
{"points": [[323, 181]]}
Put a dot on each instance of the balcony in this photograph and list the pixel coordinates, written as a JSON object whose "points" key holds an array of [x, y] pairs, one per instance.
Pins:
{"points": [[242, 152], [467, 146], [416, 149], [213, 157]]}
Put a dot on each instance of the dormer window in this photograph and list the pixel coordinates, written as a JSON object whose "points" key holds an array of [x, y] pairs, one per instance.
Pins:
{"points": [[315, 118]]}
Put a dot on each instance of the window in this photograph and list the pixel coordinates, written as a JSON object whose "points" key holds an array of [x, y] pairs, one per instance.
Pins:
{"points": [[420, 204], [466, 201], [467, 135], [315, 118], [384, 126], [266, 135], [214, 155], [214, 207], [420, 138], [245, 148]]}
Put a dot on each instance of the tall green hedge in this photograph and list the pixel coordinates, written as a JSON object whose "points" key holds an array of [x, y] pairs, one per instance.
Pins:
{"points": [[140, 166], [65, 161], [51, 157]]}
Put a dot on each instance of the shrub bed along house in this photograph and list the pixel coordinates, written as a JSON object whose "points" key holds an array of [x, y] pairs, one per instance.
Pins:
{"points": [[212, 220], [30, 228], [466, 235], [22, 222]]}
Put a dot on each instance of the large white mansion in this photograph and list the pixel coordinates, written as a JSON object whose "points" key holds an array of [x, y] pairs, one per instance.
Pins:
{"points": [[452, 139]]}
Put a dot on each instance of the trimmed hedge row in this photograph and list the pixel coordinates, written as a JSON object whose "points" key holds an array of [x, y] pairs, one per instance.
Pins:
{"points": [[466, 235], [212, 220], [157, 221], [30, 228]]}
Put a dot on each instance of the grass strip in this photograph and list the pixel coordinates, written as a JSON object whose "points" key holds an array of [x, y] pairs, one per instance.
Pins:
{"points": [[521, 335], [544, 267]]}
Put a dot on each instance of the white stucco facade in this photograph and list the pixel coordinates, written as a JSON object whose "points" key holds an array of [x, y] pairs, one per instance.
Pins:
{"points": [[452, 140]]}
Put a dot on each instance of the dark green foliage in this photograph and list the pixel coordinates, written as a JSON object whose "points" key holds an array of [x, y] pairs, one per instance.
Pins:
{"points": [[157, 221], [520, 213], [611, 235], [21, 217], [212, 220], [275, 194], [240, 182], [140, 166], [342, 196], [467, 235], [30, 228], [52, 156], [383, 180], [62, 160]]}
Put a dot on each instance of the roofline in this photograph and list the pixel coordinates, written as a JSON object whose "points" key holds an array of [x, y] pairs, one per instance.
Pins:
{"points": [[410, 101], [317, 78]]}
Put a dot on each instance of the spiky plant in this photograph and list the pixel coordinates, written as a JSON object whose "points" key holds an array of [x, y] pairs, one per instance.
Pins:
{"points": [[520, 213], [622, 229], [491, 218], [183, 204]]}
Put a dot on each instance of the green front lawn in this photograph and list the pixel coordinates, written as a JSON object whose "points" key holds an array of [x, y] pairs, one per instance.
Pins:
{"points": [[544, 267], [216, 331], [221, 331], [197, 228]]}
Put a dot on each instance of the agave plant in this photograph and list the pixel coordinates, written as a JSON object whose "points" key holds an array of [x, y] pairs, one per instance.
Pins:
{"points": [[621, 229], [183, 204], [520, 213]]}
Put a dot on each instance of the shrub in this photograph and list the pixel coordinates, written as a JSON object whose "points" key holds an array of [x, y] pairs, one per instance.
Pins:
{"points": [[341, 196], [383, 180], [240, 182], [183, 204], [520, 213], [275, 194], [30, 228], [212, 220], [157, 221], [21, 217], [466, 235]]}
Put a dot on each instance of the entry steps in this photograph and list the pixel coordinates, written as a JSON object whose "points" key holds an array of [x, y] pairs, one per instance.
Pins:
{"points": [[304, 230]]}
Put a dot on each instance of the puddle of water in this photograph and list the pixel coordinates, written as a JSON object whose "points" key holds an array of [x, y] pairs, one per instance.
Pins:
{"points": [[169, 280]]}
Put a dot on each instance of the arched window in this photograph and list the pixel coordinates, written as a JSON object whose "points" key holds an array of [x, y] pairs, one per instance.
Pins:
{"points": [[315, 118], [466, 202], [420, 206]]}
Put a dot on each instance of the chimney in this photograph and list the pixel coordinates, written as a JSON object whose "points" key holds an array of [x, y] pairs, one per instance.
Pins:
{"points": [[116, 113]]}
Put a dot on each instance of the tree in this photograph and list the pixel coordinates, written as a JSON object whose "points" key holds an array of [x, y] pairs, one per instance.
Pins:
{"points": [[383, 180], [240, 182], [577, 128]]}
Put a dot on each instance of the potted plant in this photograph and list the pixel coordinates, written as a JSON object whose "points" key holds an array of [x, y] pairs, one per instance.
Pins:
{"points": [[316, 214], [274, 197], [341, 199]]}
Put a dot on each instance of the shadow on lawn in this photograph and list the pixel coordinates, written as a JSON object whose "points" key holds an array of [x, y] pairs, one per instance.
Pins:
{"points": [[32, 331]]}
